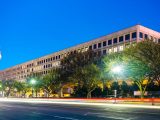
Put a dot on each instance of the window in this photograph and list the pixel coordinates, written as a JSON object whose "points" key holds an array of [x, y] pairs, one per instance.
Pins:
{"points": [[140, 35], [110, 50], [127, 37], [121, 48], [115, 40], [48, 59], [99, 53], [95, 46], [90, 47], [115, 49], [121, 39], [56, 57], [104, 52], [145, 36], [134, 35], [158, 40], [109, 42], [104, 43], [99, 45]]}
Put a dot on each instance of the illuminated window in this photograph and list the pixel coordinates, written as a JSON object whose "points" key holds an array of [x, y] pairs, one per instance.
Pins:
{"points": [[115, 49], [110, 50], [121, 48]]}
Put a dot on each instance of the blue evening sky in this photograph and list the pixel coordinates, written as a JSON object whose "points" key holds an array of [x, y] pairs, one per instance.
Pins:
{"points": [[32, 28]]}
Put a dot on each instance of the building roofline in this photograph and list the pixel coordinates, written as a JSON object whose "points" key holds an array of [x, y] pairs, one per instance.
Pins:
{"points": [[78, 45]]}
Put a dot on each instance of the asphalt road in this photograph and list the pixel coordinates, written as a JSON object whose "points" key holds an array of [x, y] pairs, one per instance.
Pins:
{"points": [[37, 111]]}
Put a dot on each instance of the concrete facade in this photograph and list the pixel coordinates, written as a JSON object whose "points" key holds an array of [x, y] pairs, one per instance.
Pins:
{"points": [[114, 42]]}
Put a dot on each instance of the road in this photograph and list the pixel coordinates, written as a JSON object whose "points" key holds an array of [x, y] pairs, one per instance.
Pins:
{"points": [[55, 111]]}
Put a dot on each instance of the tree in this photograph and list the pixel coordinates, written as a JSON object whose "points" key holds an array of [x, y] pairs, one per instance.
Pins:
{"points": [[138, 72], [71, 63], [8, 86], [88, 77], [50, 82], [147, 52]]}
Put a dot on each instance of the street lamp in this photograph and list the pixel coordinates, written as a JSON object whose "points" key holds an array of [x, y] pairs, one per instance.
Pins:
{"points": [[116, 70], [32, 82]]}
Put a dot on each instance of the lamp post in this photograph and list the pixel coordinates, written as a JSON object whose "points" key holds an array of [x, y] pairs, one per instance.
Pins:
{"points": [[33, 82], [116, 70], [1, 90]]}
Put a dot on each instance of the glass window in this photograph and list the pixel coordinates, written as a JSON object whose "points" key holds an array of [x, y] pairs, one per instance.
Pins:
{"points": [[104, 52], [109, 42], [121, 48], [140, 35], [99, 45], [121, 39], [115, 40], [127, 37], [110, 50], [115, 49], [146, 36], [90, 47], [104, 43], [134, 35], [95, 46]]}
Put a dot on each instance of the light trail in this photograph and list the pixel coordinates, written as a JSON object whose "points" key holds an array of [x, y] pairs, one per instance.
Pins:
{"points": [[71, 102]]}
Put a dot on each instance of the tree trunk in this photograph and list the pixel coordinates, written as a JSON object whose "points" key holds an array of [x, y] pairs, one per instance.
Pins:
{"points": [[89, 95], [60, 93]]}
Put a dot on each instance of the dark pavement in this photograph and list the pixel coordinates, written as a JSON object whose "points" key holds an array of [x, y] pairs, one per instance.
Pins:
{"points": [[38, 111]]}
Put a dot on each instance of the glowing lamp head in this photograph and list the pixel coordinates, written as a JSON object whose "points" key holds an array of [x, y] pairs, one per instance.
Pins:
{"points": [[117, 69], [33, 81]]}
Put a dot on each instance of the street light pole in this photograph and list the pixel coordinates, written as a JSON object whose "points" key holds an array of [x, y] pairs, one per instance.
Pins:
{"points": [[116, 70], [33, 82]]}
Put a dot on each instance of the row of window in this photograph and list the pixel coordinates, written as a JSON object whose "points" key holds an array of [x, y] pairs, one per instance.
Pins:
{"points": [[114, 41], [47, 66], [49, 59], [40, 73]]}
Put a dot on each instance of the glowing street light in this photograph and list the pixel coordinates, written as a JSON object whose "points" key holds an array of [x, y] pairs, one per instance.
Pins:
{"points": [[118, 69], [33, 81]]}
